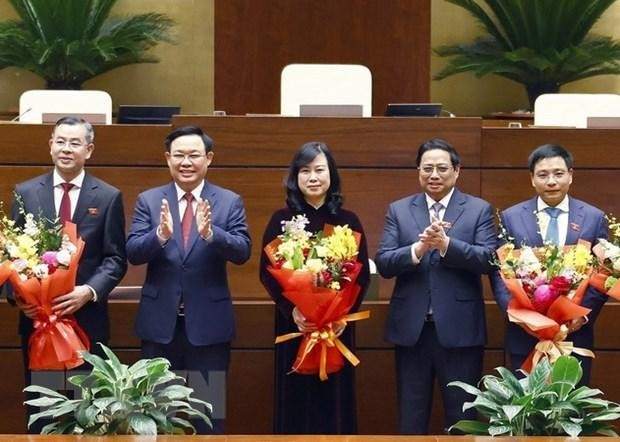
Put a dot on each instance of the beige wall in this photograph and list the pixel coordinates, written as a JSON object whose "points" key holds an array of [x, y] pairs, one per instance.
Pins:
{"points": [[184, 76], [464, 94]]}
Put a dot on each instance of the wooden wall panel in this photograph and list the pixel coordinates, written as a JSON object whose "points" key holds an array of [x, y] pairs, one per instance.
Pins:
{"points": [[254, 40], [507, 147], [368, 142]]}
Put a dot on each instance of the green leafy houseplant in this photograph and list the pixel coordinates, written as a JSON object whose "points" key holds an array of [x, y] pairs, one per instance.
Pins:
{"points": [[144, 398], [547, 402], [541, 44], [70, 41]]}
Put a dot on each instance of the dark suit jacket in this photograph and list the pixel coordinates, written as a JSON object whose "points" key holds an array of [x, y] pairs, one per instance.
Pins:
{"points": [[100, 220], [588, 223], [198, 274], [451, 285]]}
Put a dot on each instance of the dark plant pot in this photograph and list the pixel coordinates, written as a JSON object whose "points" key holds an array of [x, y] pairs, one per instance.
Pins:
{"points": [[536, 89], [64, 84]]}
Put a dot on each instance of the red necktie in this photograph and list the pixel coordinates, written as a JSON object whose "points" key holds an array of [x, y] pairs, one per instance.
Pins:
{"points": [[64, 212], [188, 217]]}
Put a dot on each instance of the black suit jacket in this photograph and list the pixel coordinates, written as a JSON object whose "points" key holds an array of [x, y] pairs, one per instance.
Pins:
{"points": [[100, 220]]}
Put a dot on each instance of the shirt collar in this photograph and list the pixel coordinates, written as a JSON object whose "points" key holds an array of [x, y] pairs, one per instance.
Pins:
{"points": [[77, 181], [563, 206], [196, 192], [444, 201]]}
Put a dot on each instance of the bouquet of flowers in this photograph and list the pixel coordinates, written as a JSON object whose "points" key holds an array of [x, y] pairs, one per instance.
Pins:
{"points": [[40, 260], [547, 285], [607, 277], [317, 273]]}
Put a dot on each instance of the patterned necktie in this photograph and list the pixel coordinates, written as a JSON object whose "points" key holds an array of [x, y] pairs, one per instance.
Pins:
{"points": [[553, 234], [436, 211], [64, 211], [188, 217]]}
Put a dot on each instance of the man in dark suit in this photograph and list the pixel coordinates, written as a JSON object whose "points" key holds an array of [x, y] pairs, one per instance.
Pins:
{"points": [[187, 231], [97, 210], [437, 244], [530, 223]]}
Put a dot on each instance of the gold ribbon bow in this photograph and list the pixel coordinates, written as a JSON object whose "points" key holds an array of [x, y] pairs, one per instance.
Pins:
{"points": [[326, 337], [553, 349]]}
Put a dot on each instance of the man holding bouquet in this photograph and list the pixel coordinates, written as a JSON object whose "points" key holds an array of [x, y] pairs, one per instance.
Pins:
{"points": [[551, 217], [187, 231], [437, 244], [71, 194]]}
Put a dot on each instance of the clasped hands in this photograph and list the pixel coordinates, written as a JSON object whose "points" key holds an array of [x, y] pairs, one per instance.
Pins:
{"points": [[62, 305], [433, 237], [203, 219]]}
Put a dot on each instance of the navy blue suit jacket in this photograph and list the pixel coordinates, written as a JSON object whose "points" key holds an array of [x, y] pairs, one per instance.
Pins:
{"points": [[450, 285], [584, 222], [198, 274], [100, 220]]}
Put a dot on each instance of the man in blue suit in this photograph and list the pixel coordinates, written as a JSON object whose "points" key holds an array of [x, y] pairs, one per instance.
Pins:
{"points": [[187, 231], [437, 244], [530, 223]]}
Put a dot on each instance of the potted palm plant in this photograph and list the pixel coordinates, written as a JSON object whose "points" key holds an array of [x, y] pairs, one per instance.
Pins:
{"points": [[144, 398], [547, 402], [70, 41], [541, 44]]}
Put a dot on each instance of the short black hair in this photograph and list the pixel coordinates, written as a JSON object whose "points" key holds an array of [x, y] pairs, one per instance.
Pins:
{"points": [[438, 143], [189, 130], [72, 120], [304, 156], [549, 151]]}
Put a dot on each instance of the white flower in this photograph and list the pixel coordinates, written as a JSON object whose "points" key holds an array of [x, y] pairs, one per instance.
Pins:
{"points": [[20, 265], [63, 257], [314, 265], [529, 260], [12, 249], [321, 251], [68, 245], [40, 271], [612, 251], [30, 226]]}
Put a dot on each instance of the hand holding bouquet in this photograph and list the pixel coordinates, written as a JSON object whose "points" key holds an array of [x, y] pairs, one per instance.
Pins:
{"points": [[317, 273], [40, 260], [607, 252], [547, 285]]}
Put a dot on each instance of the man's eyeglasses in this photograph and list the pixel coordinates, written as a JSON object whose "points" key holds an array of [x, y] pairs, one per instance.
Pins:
{"points": [[70, 144], [442, 169], [192, 157]]}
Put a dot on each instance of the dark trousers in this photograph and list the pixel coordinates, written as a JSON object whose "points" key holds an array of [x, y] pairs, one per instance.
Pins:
{"points": [[211, 361], [416, 370]]}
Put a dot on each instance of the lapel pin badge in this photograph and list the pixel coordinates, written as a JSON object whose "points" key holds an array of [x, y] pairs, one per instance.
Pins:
{"points": [[576, 227], [92, 211]]}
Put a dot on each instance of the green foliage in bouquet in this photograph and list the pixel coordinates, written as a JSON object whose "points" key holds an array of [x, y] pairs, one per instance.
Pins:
{"points": [[541, 44], [547, 402], [70, 41], [144, 398]]}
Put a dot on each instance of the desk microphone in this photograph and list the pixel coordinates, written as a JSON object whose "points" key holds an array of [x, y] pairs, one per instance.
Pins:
{"points": [[22, 114]]}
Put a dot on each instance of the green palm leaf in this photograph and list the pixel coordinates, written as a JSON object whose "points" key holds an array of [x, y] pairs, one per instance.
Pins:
{"points": [[70, 41], [541, 44]]}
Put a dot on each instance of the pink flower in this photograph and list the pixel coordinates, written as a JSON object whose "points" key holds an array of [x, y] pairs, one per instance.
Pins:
{"points": [[544, 296], [49, 258]]}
